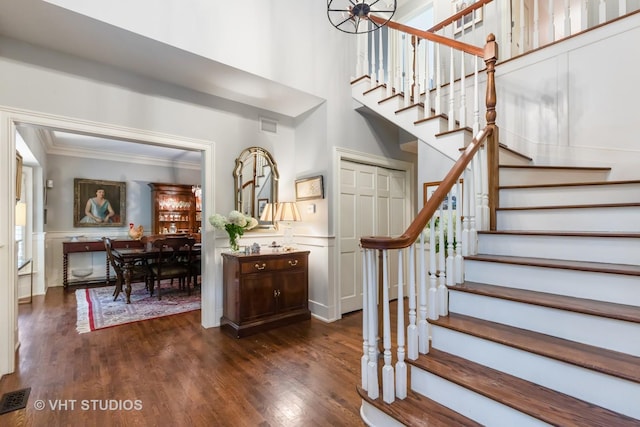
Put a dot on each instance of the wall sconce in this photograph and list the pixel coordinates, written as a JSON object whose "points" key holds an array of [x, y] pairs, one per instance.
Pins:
{"points": [[287, 212]]}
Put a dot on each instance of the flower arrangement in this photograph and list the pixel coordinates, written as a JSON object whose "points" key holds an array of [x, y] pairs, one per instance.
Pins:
{"points": [[235, 224]]}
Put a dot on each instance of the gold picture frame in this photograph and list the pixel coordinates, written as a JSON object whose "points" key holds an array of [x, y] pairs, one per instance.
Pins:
{"points": [[310, 188], [114, 191], [428, 189]]}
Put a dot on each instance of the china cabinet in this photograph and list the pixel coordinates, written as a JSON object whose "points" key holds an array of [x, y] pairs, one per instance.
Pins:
{"points": [[263, 291], [174, 209]]}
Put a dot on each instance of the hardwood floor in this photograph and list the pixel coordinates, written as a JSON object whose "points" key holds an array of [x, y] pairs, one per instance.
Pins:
{"points": [[181, 374]]}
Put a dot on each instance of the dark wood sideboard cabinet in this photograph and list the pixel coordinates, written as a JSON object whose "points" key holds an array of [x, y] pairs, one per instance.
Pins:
{"points": [[264, 291]]}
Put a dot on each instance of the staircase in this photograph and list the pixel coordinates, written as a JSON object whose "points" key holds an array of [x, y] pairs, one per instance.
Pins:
{"points": [[545, 328]]}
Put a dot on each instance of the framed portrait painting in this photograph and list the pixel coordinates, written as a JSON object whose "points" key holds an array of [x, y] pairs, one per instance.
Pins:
{"points": [[99, 203]]}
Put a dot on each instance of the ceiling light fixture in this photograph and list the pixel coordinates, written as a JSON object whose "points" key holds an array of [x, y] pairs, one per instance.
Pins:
{"points": [[352, 16]]}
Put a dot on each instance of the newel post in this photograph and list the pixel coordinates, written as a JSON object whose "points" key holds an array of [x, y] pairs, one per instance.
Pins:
{"points": [[490, 58]]}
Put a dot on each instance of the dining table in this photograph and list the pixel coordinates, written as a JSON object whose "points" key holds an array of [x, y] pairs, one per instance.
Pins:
{"points": [[132, 256]]}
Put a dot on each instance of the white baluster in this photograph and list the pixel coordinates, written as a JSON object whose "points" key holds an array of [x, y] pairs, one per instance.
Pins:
{"points": [[407, 70], [391, 55], [451, 121], [438, 100], [401, 366], [412, 329], [536, 24], [388, 383], [523, 27], [418, 72], [465, 212], [449, 246], [372, 368], [423, 327], [463, 93], [567, 18], [374, 80], [427, 83], [380, 58], [552, 23], [433, 290], [364, 361], [622, 7], [476, 97], [602, 12], [459, 272], [484, 171]]}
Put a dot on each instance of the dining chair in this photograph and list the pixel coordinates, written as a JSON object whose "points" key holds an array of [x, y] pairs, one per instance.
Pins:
{"points": [[139, 272], [173, 261]]}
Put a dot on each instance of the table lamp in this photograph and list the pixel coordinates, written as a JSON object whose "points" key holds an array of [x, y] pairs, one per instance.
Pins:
{"points": [[287, 212]]}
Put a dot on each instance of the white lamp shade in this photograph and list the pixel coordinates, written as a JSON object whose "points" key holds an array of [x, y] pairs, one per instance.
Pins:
{"points": [[21, 213], [287, 211]]}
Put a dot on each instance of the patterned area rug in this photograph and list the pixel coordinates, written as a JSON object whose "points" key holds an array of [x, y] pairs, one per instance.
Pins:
{"points": [[98, 310]]}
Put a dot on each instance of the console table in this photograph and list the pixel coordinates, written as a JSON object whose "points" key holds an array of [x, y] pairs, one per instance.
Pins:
{"points": [[264, 291], [92, 246]]}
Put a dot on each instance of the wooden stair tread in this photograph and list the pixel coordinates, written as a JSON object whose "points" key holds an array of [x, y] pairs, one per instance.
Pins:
{"points": [[418, 410], [589, 206], [574, 168], [609, 362], [596, 267], [571, 184], [609, 310], [561, 233], [539, 402]]}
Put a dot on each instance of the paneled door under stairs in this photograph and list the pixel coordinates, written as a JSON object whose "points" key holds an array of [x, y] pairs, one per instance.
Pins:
{"points": [[373, 202]]}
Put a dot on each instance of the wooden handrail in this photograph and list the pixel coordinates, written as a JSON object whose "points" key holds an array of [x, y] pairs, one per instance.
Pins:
{"points": [[415, 228], [465, 47], [450, 20]]}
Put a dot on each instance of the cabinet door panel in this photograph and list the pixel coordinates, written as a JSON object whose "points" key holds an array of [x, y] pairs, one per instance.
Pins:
{"points": [[293, 290], [256, 297]]}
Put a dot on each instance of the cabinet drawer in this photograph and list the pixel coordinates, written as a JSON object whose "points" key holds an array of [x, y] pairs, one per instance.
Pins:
{"points": [[72, 247], [288, 263]]}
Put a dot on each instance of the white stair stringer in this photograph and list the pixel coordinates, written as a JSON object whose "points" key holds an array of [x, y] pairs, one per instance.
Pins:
{"points": [[619, 249], [594, 218], [469, 403], [592, 330], [424, 131], [570, 195], [548, 372], [619, 289]]}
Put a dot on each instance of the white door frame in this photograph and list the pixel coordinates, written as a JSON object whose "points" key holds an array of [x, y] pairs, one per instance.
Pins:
{"points": [[9, 119], [340, 154]]}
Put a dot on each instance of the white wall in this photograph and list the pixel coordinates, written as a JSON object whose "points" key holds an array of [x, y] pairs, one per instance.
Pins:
{"points": [[574, 102]]}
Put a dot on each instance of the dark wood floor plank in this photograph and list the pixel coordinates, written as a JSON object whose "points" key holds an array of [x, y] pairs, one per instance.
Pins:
{"points": [[183, 374]]}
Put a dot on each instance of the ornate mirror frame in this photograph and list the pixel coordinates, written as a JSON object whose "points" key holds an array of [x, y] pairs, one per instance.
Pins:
{"points": [[256, 183]]}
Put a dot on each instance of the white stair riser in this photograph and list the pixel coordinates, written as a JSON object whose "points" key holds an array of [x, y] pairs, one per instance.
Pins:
{"points": [[621, 219], [616, 288], [372, 416], [587, 329], [570, 379], [508, 158], [620, 250], [571, 195], [527, 176], [468, 403]]}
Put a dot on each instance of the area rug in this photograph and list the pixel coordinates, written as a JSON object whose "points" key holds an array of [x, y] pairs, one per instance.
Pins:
{"points": [[98, 310]]}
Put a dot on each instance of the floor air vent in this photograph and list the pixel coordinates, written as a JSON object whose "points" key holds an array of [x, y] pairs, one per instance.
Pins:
{"points": [[14, 400]]}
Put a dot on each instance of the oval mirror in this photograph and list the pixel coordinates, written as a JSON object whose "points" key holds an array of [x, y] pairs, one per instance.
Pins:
{"points": [[256, 181]]}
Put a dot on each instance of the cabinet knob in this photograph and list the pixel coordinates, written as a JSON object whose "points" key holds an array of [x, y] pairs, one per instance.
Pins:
{"points": [[86, 248], [276, 293], [260, 266], [293, 262]]}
